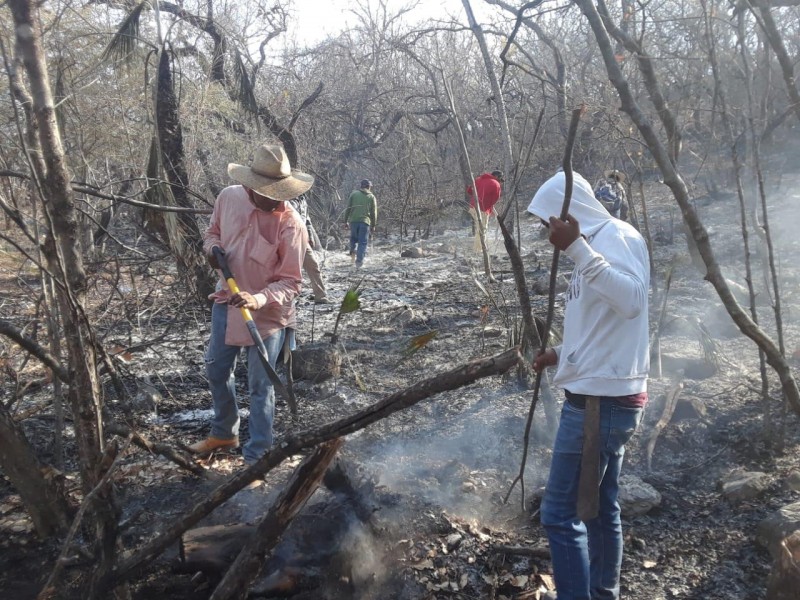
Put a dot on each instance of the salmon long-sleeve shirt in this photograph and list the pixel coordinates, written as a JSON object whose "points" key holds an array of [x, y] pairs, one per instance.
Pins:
{"points": [[265, 252]]}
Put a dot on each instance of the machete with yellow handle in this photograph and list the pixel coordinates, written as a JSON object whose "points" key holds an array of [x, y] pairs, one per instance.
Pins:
{"points": [[222, 262]]}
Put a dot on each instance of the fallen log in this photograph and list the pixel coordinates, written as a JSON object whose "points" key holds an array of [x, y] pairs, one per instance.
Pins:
{"points": [[213, 549], [349, 484], [303, 483], [294, 443]]}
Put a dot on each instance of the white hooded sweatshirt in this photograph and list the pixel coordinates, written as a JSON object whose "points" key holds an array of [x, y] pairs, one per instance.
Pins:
{"points": [[605, 349]]}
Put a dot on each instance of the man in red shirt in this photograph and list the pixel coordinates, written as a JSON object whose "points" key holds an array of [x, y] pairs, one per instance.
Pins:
{"points": [[488, 188]]}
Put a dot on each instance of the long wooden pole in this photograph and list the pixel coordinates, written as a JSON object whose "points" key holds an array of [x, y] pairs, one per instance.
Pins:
{"points": [[567, 166]]}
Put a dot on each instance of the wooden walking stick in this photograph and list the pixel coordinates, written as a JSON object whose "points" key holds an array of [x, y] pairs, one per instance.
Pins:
{"points": [[567, 165]]}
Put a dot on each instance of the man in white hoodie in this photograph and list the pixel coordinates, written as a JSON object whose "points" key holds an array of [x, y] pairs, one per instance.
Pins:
{"points": [[604, 358]]}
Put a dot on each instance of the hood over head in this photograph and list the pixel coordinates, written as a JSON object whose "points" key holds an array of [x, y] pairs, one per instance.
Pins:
{"points": [[549, 198]]}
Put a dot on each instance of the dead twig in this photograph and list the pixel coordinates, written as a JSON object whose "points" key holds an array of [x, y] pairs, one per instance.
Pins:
{"points": [[166, 450], [663, 421], [567, 164]]}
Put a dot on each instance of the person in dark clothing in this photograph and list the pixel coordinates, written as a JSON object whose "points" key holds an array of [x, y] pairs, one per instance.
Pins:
{"points": [[610, 191]]}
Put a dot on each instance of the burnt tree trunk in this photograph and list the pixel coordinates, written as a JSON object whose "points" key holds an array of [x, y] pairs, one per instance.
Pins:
{"points": [[663, 155], [43, 500], [189, 247], [301, 486], [66, 262]]}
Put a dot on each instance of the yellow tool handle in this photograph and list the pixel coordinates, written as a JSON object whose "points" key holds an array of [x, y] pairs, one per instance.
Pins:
{"points": [[235, 290]]}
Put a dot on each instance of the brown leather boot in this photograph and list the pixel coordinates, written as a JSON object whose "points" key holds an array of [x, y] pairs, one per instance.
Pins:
{"points": [[208, 445]]}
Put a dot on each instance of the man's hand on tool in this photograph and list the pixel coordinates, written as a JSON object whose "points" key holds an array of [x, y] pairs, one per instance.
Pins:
{"points": [[212, 260], [563, 233], [548, 358], [244, 300]]}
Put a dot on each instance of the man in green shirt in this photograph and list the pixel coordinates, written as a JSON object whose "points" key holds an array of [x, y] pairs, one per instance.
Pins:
{"points": [[361, 214]]}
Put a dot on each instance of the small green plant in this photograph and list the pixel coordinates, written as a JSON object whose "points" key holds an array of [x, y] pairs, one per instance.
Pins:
{"points": [[350, 303]]}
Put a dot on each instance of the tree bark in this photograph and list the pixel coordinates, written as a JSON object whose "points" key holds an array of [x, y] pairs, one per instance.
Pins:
{"points": [[173, 160], [66, 260], [775, 39], [33, 347], [499, 102]]}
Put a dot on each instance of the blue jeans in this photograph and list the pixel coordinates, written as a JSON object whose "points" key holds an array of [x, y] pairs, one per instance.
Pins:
{"points": [[359, 235], [587, 556], [220, 364]]}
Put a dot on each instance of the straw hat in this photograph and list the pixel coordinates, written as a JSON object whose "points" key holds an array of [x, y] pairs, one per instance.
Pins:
{"points": [[270, 174], [618, 175]]}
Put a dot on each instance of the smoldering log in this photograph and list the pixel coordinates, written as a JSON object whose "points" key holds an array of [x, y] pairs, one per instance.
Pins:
{"points": [[304, 481], [213, 549], [344, 479], [292, 444]]}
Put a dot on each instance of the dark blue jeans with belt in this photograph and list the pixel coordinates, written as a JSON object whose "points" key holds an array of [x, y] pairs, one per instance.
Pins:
{"points": [[587, 556]]}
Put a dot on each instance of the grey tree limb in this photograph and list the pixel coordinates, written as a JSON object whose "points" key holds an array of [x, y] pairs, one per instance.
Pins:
{"points": [[677, 185]]}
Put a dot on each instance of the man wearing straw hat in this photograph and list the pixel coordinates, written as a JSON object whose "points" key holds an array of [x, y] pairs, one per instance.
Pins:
{"points": [[264, 242]]}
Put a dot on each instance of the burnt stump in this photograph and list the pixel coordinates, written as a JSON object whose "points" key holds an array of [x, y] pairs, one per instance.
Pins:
{"points": [[316, 362]]}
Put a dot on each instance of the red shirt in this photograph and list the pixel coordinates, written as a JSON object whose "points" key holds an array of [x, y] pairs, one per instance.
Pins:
{"points": [[488, 192]]}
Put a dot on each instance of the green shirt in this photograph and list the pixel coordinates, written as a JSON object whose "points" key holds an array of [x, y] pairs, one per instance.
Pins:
{"points": [[362, 208]]}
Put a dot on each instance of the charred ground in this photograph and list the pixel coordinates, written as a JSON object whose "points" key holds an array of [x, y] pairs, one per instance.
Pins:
{"points": [[436, 474]]}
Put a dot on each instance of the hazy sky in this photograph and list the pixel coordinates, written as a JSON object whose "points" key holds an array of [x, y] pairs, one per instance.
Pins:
{"points": [[317, 18]]}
